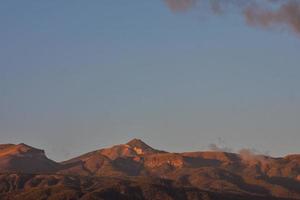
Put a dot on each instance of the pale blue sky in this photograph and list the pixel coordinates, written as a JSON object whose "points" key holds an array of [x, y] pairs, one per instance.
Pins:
{"points": [[80, 75]]}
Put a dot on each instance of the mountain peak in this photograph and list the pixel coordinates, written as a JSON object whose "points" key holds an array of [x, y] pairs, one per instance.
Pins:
{"points": [[140, 147], [25, 146], [136, 143]]}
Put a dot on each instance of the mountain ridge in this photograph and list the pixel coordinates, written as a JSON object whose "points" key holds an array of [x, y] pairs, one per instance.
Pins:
{"points": [[216, 171]]}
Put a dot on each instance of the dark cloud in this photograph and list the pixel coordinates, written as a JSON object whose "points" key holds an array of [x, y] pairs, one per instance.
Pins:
{"points": [[260, 13], [180, 5], [288, 15]]}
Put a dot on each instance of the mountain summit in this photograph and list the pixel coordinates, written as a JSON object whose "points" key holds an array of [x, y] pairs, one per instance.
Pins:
{"points": [[137, 143], [141, 147]]}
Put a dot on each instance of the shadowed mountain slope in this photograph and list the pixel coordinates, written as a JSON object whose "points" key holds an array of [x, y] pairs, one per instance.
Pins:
{"points": [[63, 187]]}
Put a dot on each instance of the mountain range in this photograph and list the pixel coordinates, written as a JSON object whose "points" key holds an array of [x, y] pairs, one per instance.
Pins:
{"points": [[137, 171]]}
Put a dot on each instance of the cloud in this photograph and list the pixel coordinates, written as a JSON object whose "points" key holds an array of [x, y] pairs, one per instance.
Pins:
{"points": [[259, 13], [253, 156], [180, 5], [215, 147], [220, 147], [287, 15]]}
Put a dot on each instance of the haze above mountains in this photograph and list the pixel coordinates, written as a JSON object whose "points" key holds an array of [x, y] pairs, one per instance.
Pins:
{"points": [[26, 171]]}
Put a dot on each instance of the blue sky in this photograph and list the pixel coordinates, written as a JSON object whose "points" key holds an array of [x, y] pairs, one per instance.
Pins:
{"points": [[77, 76]]}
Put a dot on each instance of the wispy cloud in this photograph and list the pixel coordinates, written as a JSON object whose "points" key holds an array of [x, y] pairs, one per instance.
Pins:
{"points": [[215, 147], [220, 146], [253, 156]]}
